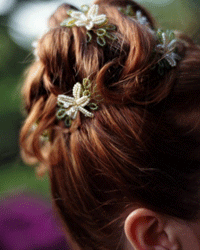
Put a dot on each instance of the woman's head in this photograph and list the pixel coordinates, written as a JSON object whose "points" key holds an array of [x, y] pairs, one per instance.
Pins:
{"points": [[140, 150]]}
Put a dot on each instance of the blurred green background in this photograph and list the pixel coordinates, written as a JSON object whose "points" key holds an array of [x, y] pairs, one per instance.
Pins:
{"points": [[20, 23]]}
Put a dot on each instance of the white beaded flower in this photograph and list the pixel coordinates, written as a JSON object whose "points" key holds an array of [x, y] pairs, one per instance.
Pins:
{"points": [[87, 18], [69, 106], [74, 104], [167, 49], [141, 19]]}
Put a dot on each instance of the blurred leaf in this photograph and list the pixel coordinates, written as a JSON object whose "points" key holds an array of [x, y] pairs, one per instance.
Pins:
{"points": [[16, 175]]}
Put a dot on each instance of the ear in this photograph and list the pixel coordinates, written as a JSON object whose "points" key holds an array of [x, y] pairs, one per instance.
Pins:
{"points": [[148, 230]]}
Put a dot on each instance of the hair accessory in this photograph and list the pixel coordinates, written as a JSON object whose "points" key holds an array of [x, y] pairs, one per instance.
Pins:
{"points": [[69, 106], [141, 19], [167, 47], [128, 11], [165, 50], [45, 135], [89, 18]]}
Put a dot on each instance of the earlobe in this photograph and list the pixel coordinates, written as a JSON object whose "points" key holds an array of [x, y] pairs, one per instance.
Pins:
{"points": [[146, 230]]}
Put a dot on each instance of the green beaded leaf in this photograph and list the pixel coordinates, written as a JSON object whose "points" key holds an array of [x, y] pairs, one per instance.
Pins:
{"points": [[159, 35], [101, 32], [111, 27], [111, 36], [70, 22], [170, 34], [93, 106], [60, 104], [45, 136], [104, 23], [69, 12], [101, 41], [60, 114], [68, 121], [129, 11], [86, 83], [89, 37], [86, 93]]}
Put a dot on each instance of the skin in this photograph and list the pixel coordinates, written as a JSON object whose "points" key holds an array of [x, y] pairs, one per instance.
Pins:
{"points": [[147, 230]]}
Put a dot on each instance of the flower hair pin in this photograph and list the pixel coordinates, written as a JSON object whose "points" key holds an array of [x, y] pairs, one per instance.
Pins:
{"points": [[166, 51], [142, 19], [167, 47], [167, 43], [128, 11], [70, 106], [45, 136], [89, 18]]}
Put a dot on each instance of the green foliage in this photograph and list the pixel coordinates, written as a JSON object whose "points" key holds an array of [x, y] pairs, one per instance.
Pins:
{"points": [[14, 175], [17, 176]]}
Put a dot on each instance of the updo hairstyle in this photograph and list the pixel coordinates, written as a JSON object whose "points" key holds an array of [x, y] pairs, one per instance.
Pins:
{"points": [[140, 149]]}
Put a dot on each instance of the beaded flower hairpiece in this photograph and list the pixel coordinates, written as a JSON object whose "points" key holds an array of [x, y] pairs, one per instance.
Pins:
{"points": [[128, 11], [98, 26], [95, 24], [69, 106], [167, 47], [167, 42]]}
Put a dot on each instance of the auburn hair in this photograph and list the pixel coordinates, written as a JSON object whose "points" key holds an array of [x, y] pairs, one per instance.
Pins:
{"points": [[141, 147]]}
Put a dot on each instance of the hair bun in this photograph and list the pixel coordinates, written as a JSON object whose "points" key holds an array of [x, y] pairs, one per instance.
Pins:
{"points": [[132, 77]]}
